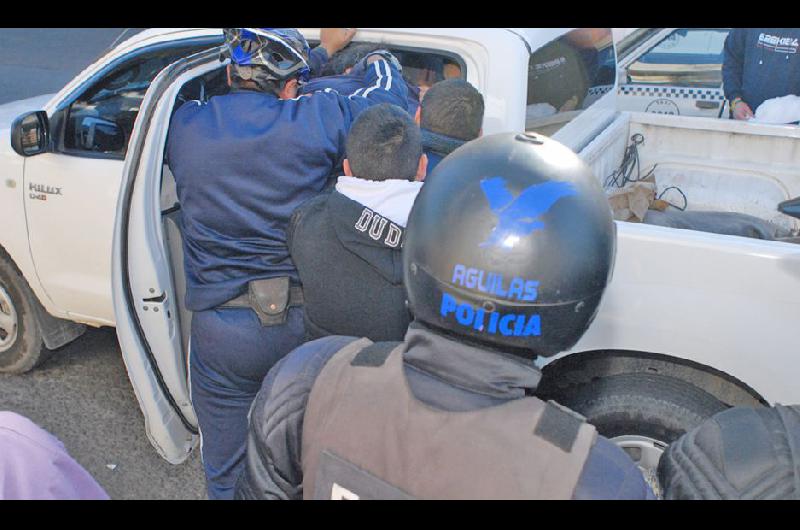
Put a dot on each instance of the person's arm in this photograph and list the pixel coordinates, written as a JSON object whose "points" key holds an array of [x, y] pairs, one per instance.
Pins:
{"points": [[609, 473], [273, 462], [383, 81], [732, 70], [317, 59], [331, 40]]}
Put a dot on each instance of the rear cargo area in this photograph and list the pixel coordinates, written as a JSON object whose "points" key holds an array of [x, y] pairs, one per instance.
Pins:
{"points": [[707, 165]]}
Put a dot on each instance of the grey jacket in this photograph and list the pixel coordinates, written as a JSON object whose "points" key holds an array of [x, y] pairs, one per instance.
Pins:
{"points": [[442, 373]]}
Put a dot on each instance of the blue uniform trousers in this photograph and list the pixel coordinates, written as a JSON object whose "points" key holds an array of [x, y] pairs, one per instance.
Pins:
{"points": [[231, 353]]}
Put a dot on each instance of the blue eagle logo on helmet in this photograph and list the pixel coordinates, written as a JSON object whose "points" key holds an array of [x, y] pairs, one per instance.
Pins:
{"points": [[518, 216]]}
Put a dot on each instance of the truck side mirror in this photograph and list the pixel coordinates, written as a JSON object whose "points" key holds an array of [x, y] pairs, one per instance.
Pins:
{"points": [[790, 207], [30, 133]]}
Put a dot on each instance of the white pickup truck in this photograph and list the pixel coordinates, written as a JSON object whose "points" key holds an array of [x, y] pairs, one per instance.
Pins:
{"points": [[692, 322]]}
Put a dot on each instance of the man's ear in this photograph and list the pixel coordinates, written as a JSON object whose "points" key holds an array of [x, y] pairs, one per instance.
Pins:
{"points": [[228, 73], [417, 115], [480, 132], [290, 89], [422, 168], [347, 170]]}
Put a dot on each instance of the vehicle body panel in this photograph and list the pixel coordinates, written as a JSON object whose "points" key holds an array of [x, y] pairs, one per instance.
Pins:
{"points": [[69, 206], [11, 110], [143, 290], [12, 216], [658, 302], [71, 234]]}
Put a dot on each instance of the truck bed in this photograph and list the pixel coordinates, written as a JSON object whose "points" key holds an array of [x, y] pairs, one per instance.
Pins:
{"points": [[720, 165], [721, 301]]}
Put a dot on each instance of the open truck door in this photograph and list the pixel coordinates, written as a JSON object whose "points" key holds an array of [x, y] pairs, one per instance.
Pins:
{"points": [[151, 321]]}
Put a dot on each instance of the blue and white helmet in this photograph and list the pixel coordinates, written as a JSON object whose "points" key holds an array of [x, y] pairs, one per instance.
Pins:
{"points": [[282, 52]]}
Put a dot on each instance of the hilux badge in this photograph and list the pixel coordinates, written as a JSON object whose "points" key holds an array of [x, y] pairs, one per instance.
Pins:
{"points": [[40, 192]]}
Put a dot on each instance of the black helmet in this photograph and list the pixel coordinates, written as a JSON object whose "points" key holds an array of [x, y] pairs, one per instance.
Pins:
{"points": [[511, 244]]}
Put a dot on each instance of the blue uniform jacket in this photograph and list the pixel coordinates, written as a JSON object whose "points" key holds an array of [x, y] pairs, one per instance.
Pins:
{"points": [[354, 83], [761, 64], [441, 373], [243, 162]]}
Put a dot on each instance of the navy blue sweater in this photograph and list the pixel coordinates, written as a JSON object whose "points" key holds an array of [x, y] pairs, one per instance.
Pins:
{"points": [[243, 162], [355, 83], [761, 64]]}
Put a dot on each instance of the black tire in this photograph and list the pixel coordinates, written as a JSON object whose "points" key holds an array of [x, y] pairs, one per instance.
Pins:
{"points": [[638, 406], [652, 405], [27, 350]]}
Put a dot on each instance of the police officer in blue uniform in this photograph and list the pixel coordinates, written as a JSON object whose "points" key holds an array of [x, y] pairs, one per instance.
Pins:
{"points": [[242, 163], [760, 64], [508, 250]]}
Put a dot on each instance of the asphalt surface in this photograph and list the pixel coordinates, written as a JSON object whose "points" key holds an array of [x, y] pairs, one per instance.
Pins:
{"points": [[82, 394]]}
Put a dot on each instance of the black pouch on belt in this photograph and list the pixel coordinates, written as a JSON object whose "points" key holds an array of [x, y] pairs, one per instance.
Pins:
{"points": [[269, 298]]}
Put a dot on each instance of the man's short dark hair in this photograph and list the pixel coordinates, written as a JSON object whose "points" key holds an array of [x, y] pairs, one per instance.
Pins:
{"points": [[453, 108], [384, 143]]}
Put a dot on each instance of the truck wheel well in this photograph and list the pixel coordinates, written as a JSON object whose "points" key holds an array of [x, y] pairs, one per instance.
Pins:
{"points": [[566, 373], [56, 332]]}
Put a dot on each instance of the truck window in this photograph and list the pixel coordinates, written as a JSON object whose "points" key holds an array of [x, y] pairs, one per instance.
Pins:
{"points": [[421, 67], [99, 122], [567, 76], [689, 57], [424, 69]]}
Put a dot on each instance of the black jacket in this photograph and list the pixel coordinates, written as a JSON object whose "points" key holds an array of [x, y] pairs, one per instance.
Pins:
{"points": [[437, 147], [349, 263]]}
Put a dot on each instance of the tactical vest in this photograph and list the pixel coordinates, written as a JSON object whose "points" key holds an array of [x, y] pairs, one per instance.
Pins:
{"points": [[365, 436]]}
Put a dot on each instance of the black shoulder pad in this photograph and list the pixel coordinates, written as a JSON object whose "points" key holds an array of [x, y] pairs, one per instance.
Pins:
{"points": [[559, 426], [374, 355]]}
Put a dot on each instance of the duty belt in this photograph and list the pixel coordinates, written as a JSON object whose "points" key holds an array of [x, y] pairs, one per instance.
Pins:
{"points": [[269, 298]]}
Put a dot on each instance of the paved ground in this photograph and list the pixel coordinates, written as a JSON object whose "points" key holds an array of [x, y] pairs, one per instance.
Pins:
{"points": [[82, 395]]}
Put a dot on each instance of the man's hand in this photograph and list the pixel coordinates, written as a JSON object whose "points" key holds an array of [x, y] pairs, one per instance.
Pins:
{"points": [[334, 39], [741, 110]]}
